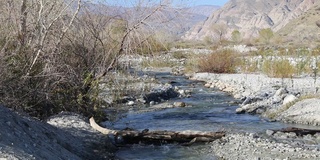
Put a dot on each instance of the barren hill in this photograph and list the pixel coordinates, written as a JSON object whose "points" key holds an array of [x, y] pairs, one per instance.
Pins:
{"points": [[249, 16], [303, 29]]}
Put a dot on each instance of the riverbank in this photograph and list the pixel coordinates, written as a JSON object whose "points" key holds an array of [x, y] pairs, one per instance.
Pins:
{"points": [[64, 136], [279, 99], [249, 146]]}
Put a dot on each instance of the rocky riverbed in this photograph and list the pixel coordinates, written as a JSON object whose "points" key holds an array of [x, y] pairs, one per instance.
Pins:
{"points": [[69, 136], [285, 99], [249, 146]]}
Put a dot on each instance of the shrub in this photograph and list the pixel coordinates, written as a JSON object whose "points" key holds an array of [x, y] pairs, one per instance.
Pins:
{"points": [[219, 62], [278, 68]]}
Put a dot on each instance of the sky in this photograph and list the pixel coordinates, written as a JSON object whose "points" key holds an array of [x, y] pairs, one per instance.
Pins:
{"points": [[178, 2], [207, 2]]}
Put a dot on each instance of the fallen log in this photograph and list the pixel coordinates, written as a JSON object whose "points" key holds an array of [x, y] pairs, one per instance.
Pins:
{"points": [[298, 131], [129, 136]]}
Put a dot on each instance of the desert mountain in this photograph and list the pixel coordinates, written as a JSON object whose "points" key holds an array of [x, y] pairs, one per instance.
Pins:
{"points": [[204, 10], [303, 28], [175, 20], [249, 16]]}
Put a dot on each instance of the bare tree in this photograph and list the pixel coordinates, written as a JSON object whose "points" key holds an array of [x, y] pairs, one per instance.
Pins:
{"points": [[62, 56], [219, 31]]}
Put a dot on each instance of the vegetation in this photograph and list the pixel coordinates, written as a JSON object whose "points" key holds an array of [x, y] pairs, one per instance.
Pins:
{"points": [[278, 68], [236, 37], [55, 54], [218, 62], [266, 35]]}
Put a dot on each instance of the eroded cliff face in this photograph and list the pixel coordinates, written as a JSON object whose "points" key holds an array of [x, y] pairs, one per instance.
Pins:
{"points": [[250, 16]]}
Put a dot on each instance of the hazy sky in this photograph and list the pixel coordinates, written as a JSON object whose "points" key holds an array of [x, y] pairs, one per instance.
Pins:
{"points": [[178, 2], [208, 2]]}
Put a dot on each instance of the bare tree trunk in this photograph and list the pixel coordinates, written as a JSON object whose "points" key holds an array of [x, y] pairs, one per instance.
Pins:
{"points": [[134, 136]]}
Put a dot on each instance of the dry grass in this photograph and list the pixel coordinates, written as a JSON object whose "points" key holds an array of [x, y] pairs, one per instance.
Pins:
{"points": [[278, 68], [219, 62]]}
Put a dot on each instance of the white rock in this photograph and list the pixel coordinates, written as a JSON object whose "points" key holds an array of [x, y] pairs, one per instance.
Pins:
{"points": [[130, 103], [289, 98], [240, 110], [207, 85], [181, 92], [280, 92]]}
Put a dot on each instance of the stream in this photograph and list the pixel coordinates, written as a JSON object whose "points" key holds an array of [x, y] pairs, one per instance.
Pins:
{"points": [[207, 110]]}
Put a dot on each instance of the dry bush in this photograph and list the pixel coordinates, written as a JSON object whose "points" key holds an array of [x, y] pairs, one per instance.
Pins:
{"points": [[223, 61], [278, 68], [54, 54]]}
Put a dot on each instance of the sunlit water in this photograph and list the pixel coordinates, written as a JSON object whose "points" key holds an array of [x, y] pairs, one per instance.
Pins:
{"points": [[207, 110]]}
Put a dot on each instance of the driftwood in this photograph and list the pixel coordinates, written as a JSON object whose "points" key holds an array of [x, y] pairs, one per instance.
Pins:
{"points": [[130, 136], [298, 131]]}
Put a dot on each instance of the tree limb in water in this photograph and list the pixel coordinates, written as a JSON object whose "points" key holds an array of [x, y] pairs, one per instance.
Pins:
{"points": [[133, 136]]}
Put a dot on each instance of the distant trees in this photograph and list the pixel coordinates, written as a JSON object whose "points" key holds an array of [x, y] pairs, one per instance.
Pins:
{"points": [[54, 54], [219, 30], [265, 35], [236, 36]]}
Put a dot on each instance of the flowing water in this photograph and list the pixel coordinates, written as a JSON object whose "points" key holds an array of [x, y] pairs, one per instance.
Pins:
{"points": [[207, 110]]}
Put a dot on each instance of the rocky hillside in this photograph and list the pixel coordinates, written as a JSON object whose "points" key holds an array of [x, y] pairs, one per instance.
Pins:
{"points": [[249, 16], [303, 29]]}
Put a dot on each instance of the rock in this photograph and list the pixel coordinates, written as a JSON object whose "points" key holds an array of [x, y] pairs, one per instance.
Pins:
{"points": [[305, 112], [289, 99], [269, 132], [181, 92], [130, 103], [228, 89], [246, 101], [141, 100], [152, 103], [280, 92], [179, 104], [237, 96], [240, 110], [207, 85]]}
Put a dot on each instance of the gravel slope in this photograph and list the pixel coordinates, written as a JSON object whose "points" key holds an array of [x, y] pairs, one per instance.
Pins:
{"points": [[246, 146], [69, 137]]}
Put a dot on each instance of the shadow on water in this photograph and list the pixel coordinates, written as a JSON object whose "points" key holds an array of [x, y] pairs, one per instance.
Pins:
{"points": [[207, 110]]}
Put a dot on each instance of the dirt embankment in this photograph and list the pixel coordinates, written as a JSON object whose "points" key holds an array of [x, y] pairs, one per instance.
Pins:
{"points": [[65, 136]]}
